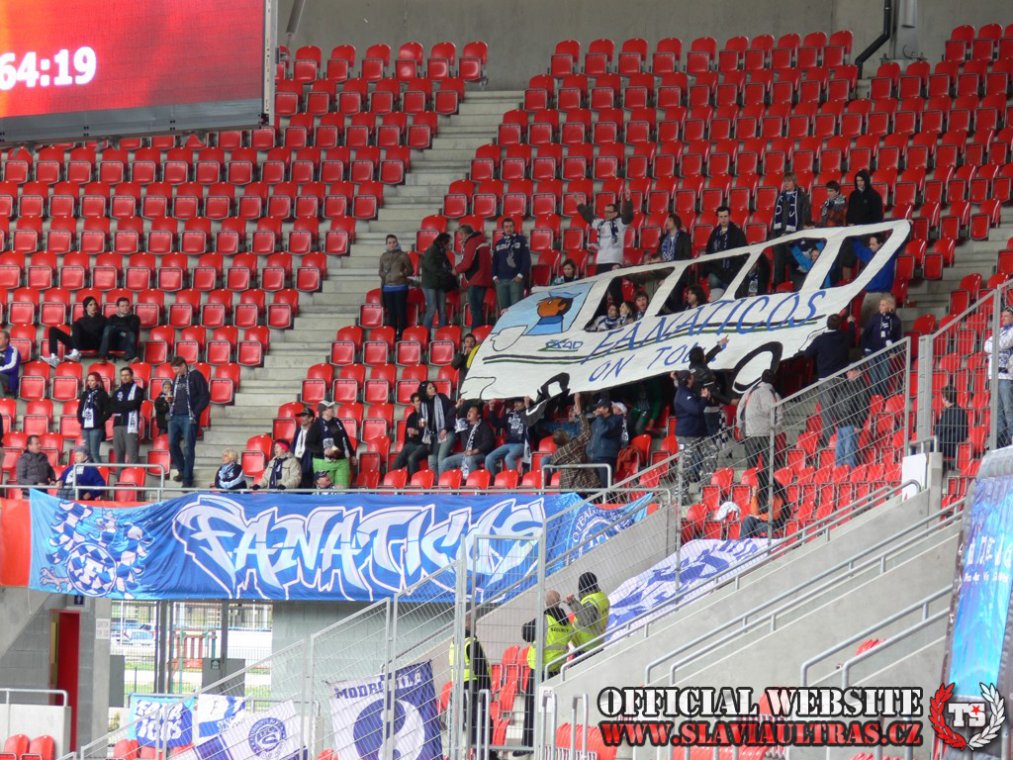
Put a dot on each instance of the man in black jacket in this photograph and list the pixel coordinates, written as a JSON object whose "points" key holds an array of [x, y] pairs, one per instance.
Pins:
{"points": [[951, 430], [413, 450], [726, 236], [190, 397], [477, 714], [330, 446], [121, 332], [126, 407], [850, 410], [477, 440], [85, 334], [299, 448], [830, 351], [881, 331]]}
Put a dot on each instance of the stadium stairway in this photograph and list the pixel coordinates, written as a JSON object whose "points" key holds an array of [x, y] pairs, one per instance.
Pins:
{"points": [[892, 572], [349, 278]]}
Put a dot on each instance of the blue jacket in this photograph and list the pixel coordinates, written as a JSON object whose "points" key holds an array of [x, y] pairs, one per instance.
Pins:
{"points": [[10, 365], [88, 477], [606, 437], [511, 257], [883, 281], [689, 414]]}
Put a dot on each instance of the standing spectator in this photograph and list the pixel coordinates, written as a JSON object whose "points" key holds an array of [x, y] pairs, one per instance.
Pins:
{"points": [[573, 450], [626, 314], [229, 477], [556, 635], [1001, 351], [413, 450], [283, 472], [82, 480], [10, 366], [92, 413], [190, 397], [792, 212], [726, 236], [33, 467], [851, 410], [477, 441], [395, 269], [704, 377], [476, 716], [865, 206], [690, 420], [462, 359], [438, 279], [476, 266], [511, 265], [330, 446], [611, 229], [568, 273], [834, 211], [515, 425], [162, 406], [881, 283], [645, 405], [830, 352], [85, 334], [126, 408], [951, 429], [606, 440], [440, 417], [759, 415], [881, 331], [121, 332], [675, 244], [300, 451], [610, 320], [591, 615]]}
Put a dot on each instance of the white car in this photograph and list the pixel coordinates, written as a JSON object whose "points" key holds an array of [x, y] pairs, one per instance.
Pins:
{"points": [[542, 342]]}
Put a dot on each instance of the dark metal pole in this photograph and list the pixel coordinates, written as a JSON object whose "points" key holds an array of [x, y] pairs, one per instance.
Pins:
{"points": [[881, 40]]}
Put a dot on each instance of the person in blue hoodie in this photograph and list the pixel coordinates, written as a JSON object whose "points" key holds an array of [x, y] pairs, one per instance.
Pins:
{"points": [[882, 282], [82, 480]]}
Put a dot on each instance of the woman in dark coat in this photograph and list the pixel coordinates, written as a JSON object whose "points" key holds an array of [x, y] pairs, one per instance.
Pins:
{"points": [[438, 279]]}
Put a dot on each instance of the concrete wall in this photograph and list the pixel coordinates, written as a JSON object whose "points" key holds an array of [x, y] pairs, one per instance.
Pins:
{"points": [[522, 33]]}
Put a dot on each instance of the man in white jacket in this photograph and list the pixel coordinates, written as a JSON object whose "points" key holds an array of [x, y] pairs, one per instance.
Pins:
{"points": [[758, 415], [1003, 356]]}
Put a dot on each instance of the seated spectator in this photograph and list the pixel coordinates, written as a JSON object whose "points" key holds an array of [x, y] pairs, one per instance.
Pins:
{"points": [[10, 366], [82, 480], [641, 302], [951, 429], [570, 450], [606, 440], [462, 359], [757, 281], [477, 441], [121, 332], [440, 415], [414, 450], [626, 315], [85, 334], [514, 424], [805, 253], [322, 482], [850, 411], [162, 406], [33, 467], [283, 471], [881, 331], [568, 273], [610, 320], [229, 476], [695, 297]]}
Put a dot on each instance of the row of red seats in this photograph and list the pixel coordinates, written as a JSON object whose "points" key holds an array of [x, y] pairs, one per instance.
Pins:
{"points": [[353, 96], [21, 747], [991, 40], [920, 78], [307, 62]]}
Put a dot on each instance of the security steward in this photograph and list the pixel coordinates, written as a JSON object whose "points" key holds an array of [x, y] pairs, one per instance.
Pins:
{"points": [[476, 679], [591, 613], [557, 635]]}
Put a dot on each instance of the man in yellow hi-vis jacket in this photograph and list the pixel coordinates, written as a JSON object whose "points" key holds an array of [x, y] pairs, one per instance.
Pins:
{"points": [[556, 638]]}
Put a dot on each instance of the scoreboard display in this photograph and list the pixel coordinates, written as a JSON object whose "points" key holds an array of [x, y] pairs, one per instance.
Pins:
{"points": [[73, 69]]}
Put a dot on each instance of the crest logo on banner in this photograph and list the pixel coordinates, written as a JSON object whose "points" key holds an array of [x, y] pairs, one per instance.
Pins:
{"points": [[357, 716], [274, 735]]}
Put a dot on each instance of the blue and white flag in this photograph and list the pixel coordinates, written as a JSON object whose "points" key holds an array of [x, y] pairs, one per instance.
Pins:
{"points": [[342, 546], [357, 716], [161, 721], [688, 574], [216, 712], [272, 735]]}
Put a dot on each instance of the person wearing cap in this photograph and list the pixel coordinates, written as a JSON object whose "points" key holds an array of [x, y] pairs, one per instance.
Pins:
{"points": [[690, 420], [1000, 354], [190, 397], [300, 452], [229, 476], [606, 440], [330, 446], [591, 612], [282, 472], [85, 334], [81, 480]]}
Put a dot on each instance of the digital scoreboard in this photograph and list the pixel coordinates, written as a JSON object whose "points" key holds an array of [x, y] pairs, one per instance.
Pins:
{"points": [[72, 69]]}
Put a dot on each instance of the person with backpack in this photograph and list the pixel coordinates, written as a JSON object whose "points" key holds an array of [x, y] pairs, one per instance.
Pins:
{"points": [[476, 266]]}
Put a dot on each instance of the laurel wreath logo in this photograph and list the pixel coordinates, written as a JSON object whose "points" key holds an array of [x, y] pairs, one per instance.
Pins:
{"points": [[996, 712]]}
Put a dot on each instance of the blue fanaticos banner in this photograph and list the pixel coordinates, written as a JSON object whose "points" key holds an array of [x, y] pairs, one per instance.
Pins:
{"points": [[344, 546]]}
